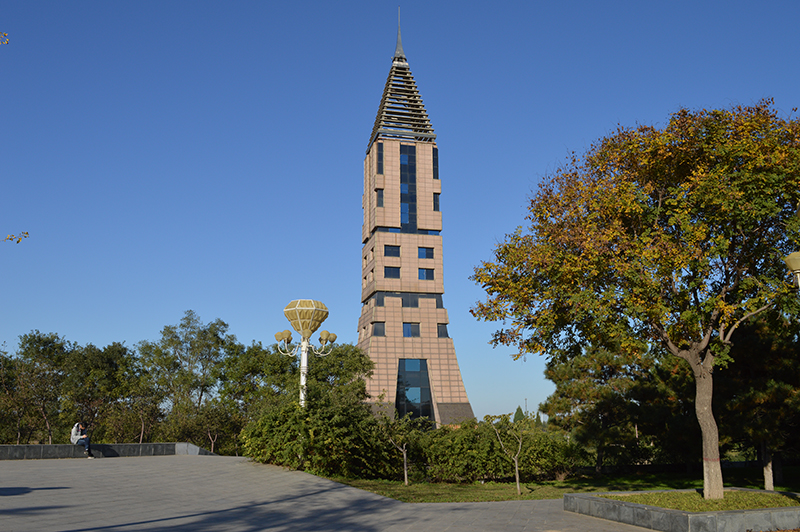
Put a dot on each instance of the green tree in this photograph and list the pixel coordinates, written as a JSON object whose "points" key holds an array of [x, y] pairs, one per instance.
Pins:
{"points": [[335, 434], [184, 366], [17, 415], [511, 436], [93, 385], [760, 390], [668, 236], [41, 374], [404, 434]]}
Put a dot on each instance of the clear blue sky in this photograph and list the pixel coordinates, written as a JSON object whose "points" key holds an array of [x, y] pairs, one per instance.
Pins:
{"points": [[178, 155]]}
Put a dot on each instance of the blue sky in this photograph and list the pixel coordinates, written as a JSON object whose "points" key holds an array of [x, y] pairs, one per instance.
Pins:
{"points": [[167, 156]]}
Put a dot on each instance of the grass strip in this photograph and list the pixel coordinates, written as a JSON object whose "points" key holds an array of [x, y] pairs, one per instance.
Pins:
{"points": [[506, 491], [693, 501]]}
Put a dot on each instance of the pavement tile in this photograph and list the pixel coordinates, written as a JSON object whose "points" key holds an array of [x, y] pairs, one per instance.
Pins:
{"points": [[197, 493]]}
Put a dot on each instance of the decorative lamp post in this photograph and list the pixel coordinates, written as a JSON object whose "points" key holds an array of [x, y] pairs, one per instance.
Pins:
{"points": [[305, 315], [793, 263]]}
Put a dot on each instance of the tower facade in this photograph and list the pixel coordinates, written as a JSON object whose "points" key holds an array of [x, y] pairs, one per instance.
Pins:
{"points": [[403, 323]]}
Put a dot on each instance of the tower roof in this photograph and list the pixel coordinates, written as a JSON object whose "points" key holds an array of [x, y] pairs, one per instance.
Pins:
{"points": [[401, 114]]}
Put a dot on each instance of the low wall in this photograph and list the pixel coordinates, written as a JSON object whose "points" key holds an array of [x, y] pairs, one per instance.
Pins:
{"points": [[100, 450], [656, 518]]}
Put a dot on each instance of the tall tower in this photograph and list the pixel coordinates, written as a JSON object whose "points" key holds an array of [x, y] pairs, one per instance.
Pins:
{"points": [[403, 324]]}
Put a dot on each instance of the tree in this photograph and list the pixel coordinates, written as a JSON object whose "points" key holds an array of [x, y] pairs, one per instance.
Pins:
{"points": [[93, 384], [593, 401], [403, 433], [668, 236], [335, 433], [16, 405], [42, 374], [761, 390], [514, 434], [184, 366], [19, 236]]}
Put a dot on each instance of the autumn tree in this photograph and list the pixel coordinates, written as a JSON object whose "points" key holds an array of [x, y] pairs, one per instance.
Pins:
{"points": [[18, 237], [671, 236]]}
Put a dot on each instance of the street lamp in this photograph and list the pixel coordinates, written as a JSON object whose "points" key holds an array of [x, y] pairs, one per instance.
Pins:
{"points": [[793, 263], [305, 315]]}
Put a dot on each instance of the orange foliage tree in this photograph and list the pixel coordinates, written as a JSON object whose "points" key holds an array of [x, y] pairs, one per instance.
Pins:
{"points": [[670, 236]]}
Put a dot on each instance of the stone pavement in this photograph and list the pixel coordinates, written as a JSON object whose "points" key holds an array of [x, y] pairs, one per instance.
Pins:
{"points": [[195, 493]]}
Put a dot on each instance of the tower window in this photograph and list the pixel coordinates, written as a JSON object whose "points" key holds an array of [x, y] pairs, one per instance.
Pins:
{"points": [[435, 202], [413, 389], [379, 328], [426, 274], [425, 253], [435, 163], [391, 251], [379, 197], [380, 158], [391, 272], [410, 300], [411, 330], [441, 329]]}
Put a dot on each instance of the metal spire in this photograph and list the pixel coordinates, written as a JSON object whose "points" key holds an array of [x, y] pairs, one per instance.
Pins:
{"points": [[399, 55]]}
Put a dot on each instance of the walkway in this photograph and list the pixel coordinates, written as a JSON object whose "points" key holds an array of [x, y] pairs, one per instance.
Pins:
{"points": [[197, 493]]}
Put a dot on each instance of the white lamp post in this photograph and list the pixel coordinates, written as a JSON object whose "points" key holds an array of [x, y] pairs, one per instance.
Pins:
{"points": [[793, 263], [305, 315]]}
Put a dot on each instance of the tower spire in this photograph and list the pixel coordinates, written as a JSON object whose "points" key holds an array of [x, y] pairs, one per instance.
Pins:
{"points": [[399, 55], [401, 113]]}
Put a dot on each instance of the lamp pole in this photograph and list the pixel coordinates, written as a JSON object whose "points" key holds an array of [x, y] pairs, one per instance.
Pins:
{"points": [[305, 315], [793, 263]]}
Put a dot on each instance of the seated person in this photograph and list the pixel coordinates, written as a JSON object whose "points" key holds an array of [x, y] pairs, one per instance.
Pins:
{"points": [[79, 437]]}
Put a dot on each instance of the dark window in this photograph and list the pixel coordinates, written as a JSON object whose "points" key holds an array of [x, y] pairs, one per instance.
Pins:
{"points": [[435, 164], [425, 253], [379, 198], [408, 189], [413, 389], [391, 272], [426, 274], [410, 300], [441, 329], [411, 330], [380, 157], [379, 328], [435, 202], [391, 251]]}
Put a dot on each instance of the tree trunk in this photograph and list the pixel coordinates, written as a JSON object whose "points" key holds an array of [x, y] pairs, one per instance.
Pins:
{"points": [[766, 463], [405, 465], [712, 471], [598, 465], [516, 474], [777, 468]]}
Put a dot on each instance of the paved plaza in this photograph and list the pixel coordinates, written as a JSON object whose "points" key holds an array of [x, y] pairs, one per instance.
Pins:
{"points": [[195, 493]]}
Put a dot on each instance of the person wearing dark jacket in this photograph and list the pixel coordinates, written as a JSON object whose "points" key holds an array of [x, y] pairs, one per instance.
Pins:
{"points": [[79, 437]]}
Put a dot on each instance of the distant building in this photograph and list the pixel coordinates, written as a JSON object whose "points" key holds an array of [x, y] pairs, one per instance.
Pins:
{"points": [[403, 324]]}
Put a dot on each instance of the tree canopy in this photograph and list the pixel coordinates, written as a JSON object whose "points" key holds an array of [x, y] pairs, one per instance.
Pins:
{"points": [[671, 236]]}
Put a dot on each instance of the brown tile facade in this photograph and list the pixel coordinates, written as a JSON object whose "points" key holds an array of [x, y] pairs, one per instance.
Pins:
{"points": [[449, 397]]}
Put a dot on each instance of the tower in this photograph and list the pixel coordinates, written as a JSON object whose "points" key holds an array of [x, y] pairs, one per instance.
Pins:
{"points": [[403, 323]]}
